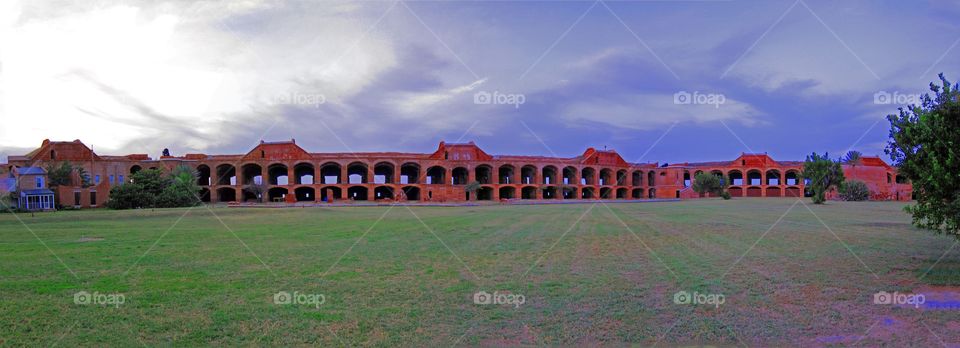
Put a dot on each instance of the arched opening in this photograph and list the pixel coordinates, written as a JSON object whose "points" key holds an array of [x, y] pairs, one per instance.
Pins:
{"points": [[569, 192], [409, 174], [226, 175], [586, 193], [793, 192], [528, 174], [569, 176], [436, 175], [550, 192], [304, 173], [412, 193], [637, 194], [203, 175], [383, 173], [719, 174], [773, 191], [252, 174], [637, 178], [606, 176], [793, 177], [459, 175], [528, 192], [736, 178], [773, 177], [357, 193], [549, 174], [249, 196], [505, 174], [606, 193], [330, 174], [686, 178], [621, 177], [278, 174], [277, 194], [305, 194], [754, 191], [754, 177], [652, 193], [205, 195], [651, 179], [735, 191], [484, 193], [382, 192], [508, 192], [621, 193], [484, 174], [357, 174], [136, 168], [325, 192], [588, 176], [226, 194], [900, 179]]}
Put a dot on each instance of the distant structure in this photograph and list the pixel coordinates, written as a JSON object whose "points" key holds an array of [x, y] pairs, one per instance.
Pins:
{"points": [[292, 174]]}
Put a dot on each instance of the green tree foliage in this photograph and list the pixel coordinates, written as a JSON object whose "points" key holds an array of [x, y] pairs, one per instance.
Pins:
{"points": [[854, 190], [925, 145], [824, 174], [853, 158], [257, 189], [704, 183], [150, 188], [59, 174]]}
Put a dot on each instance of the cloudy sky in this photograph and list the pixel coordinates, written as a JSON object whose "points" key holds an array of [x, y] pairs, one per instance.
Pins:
{"points": [[666, 81]]}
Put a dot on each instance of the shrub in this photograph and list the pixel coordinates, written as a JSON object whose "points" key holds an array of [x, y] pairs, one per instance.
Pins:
{"points": [[707, 183], [854, 191], [725, 195], [151, 189]]}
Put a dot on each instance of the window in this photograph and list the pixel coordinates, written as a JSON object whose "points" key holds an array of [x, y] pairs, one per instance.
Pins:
{"points": [[96, 179], [93, 198], [111, 180], [76, 198], [39, 182], [120, 180]]}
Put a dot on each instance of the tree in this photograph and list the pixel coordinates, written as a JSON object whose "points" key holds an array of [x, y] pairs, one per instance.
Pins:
{"points": [[923, 144], [472, 188], [854, 190], [704, 183], [257, 189], [824, 175], [59, 174], [853, 158]]}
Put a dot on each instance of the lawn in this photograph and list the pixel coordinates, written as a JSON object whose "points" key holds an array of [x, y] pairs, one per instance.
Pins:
{"points": [[587, 274]]}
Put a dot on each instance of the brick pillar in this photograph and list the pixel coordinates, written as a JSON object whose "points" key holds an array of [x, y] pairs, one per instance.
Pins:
{"points": [[213, 194], [471, 175], [396, 175], [291, 176], [344, 179], [370, 179]]}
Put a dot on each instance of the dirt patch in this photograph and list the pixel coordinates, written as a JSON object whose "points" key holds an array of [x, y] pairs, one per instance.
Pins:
{"points": [[89, 239]]}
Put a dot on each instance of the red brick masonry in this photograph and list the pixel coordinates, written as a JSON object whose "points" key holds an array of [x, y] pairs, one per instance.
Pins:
{"points": [[293, 174]]}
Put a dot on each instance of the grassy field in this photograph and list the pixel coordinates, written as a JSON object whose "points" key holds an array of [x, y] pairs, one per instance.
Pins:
{"points": [[589, 274]]}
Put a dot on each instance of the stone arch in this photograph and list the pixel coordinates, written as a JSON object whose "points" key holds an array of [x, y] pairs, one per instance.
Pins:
{"points": [[569, 175], [637, 178], [330, 173], [383, 173], [653, 193], [637, 193], [484, 174], [412, 193], [382, 192], [528, 192], [588, 176], [736, 177], [793, 191], [792, 177], [304, 173], [485, 193], [505, 174], [226, 175], [773, 191], [622, 193], [606, 177], [136, 168], [357, 173], [528, 174], [735, 191], [586, 193], [508, 192], [754, 177], [275, 194], [436, 175], [205, 195], [548, 175], [357, 193], [324, 191], [459, 176], [754, 191], [410, 173], [203, 175], [651, 179], [773, 178], [570, 192], [621, 177], [305, 194], [252, 174], [226, 194], [606, 193], [277, 173], [550, 192]]}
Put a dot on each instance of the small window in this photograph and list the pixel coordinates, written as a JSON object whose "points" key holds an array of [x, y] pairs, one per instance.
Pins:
{"points": [[93, 198], [76, 198], [53, 154], [39, 182], [96, 179], [111, 180], [120, 180], [263, 154]]}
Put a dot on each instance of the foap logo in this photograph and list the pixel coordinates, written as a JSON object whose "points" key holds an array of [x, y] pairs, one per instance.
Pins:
{"points": [[896, 298], [499, 298], [298, 298], [301, 99], [696, 298], [697, 98], [896, 98], [497, 98], [96, 298]]}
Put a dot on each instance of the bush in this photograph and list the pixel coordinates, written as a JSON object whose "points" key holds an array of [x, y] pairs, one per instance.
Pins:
{"points": [[151, 189], [854, 191], [725, 195], [704, 183]]}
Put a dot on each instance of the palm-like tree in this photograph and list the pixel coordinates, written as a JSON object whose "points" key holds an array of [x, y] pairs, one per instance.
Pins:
{"points": [[853, 158]]}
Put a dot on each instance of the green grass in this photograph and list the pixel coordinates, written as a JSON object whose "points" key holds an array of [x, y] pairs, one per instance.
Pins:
{"points": [[591, 280]]}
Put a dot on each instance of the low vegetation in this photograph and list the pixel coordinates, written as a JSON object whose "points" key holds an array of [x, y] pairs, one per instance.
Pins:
{"points": [[854, 190], [151, 188]]}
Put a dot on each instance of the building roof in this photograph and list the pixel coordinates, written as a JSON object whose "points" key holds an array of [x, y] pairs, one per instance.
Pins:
{"points": [[36, 192], [31, 171]]}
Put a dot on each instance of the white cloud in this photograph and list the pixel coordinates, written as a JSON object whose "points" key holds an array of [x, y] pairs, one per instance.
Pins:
{"points": [[653, 111]]}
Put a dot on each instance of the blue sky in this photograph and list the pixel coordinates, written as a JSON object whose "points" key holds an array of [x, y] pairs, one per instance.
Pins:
{"points": [[783, 77]]}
